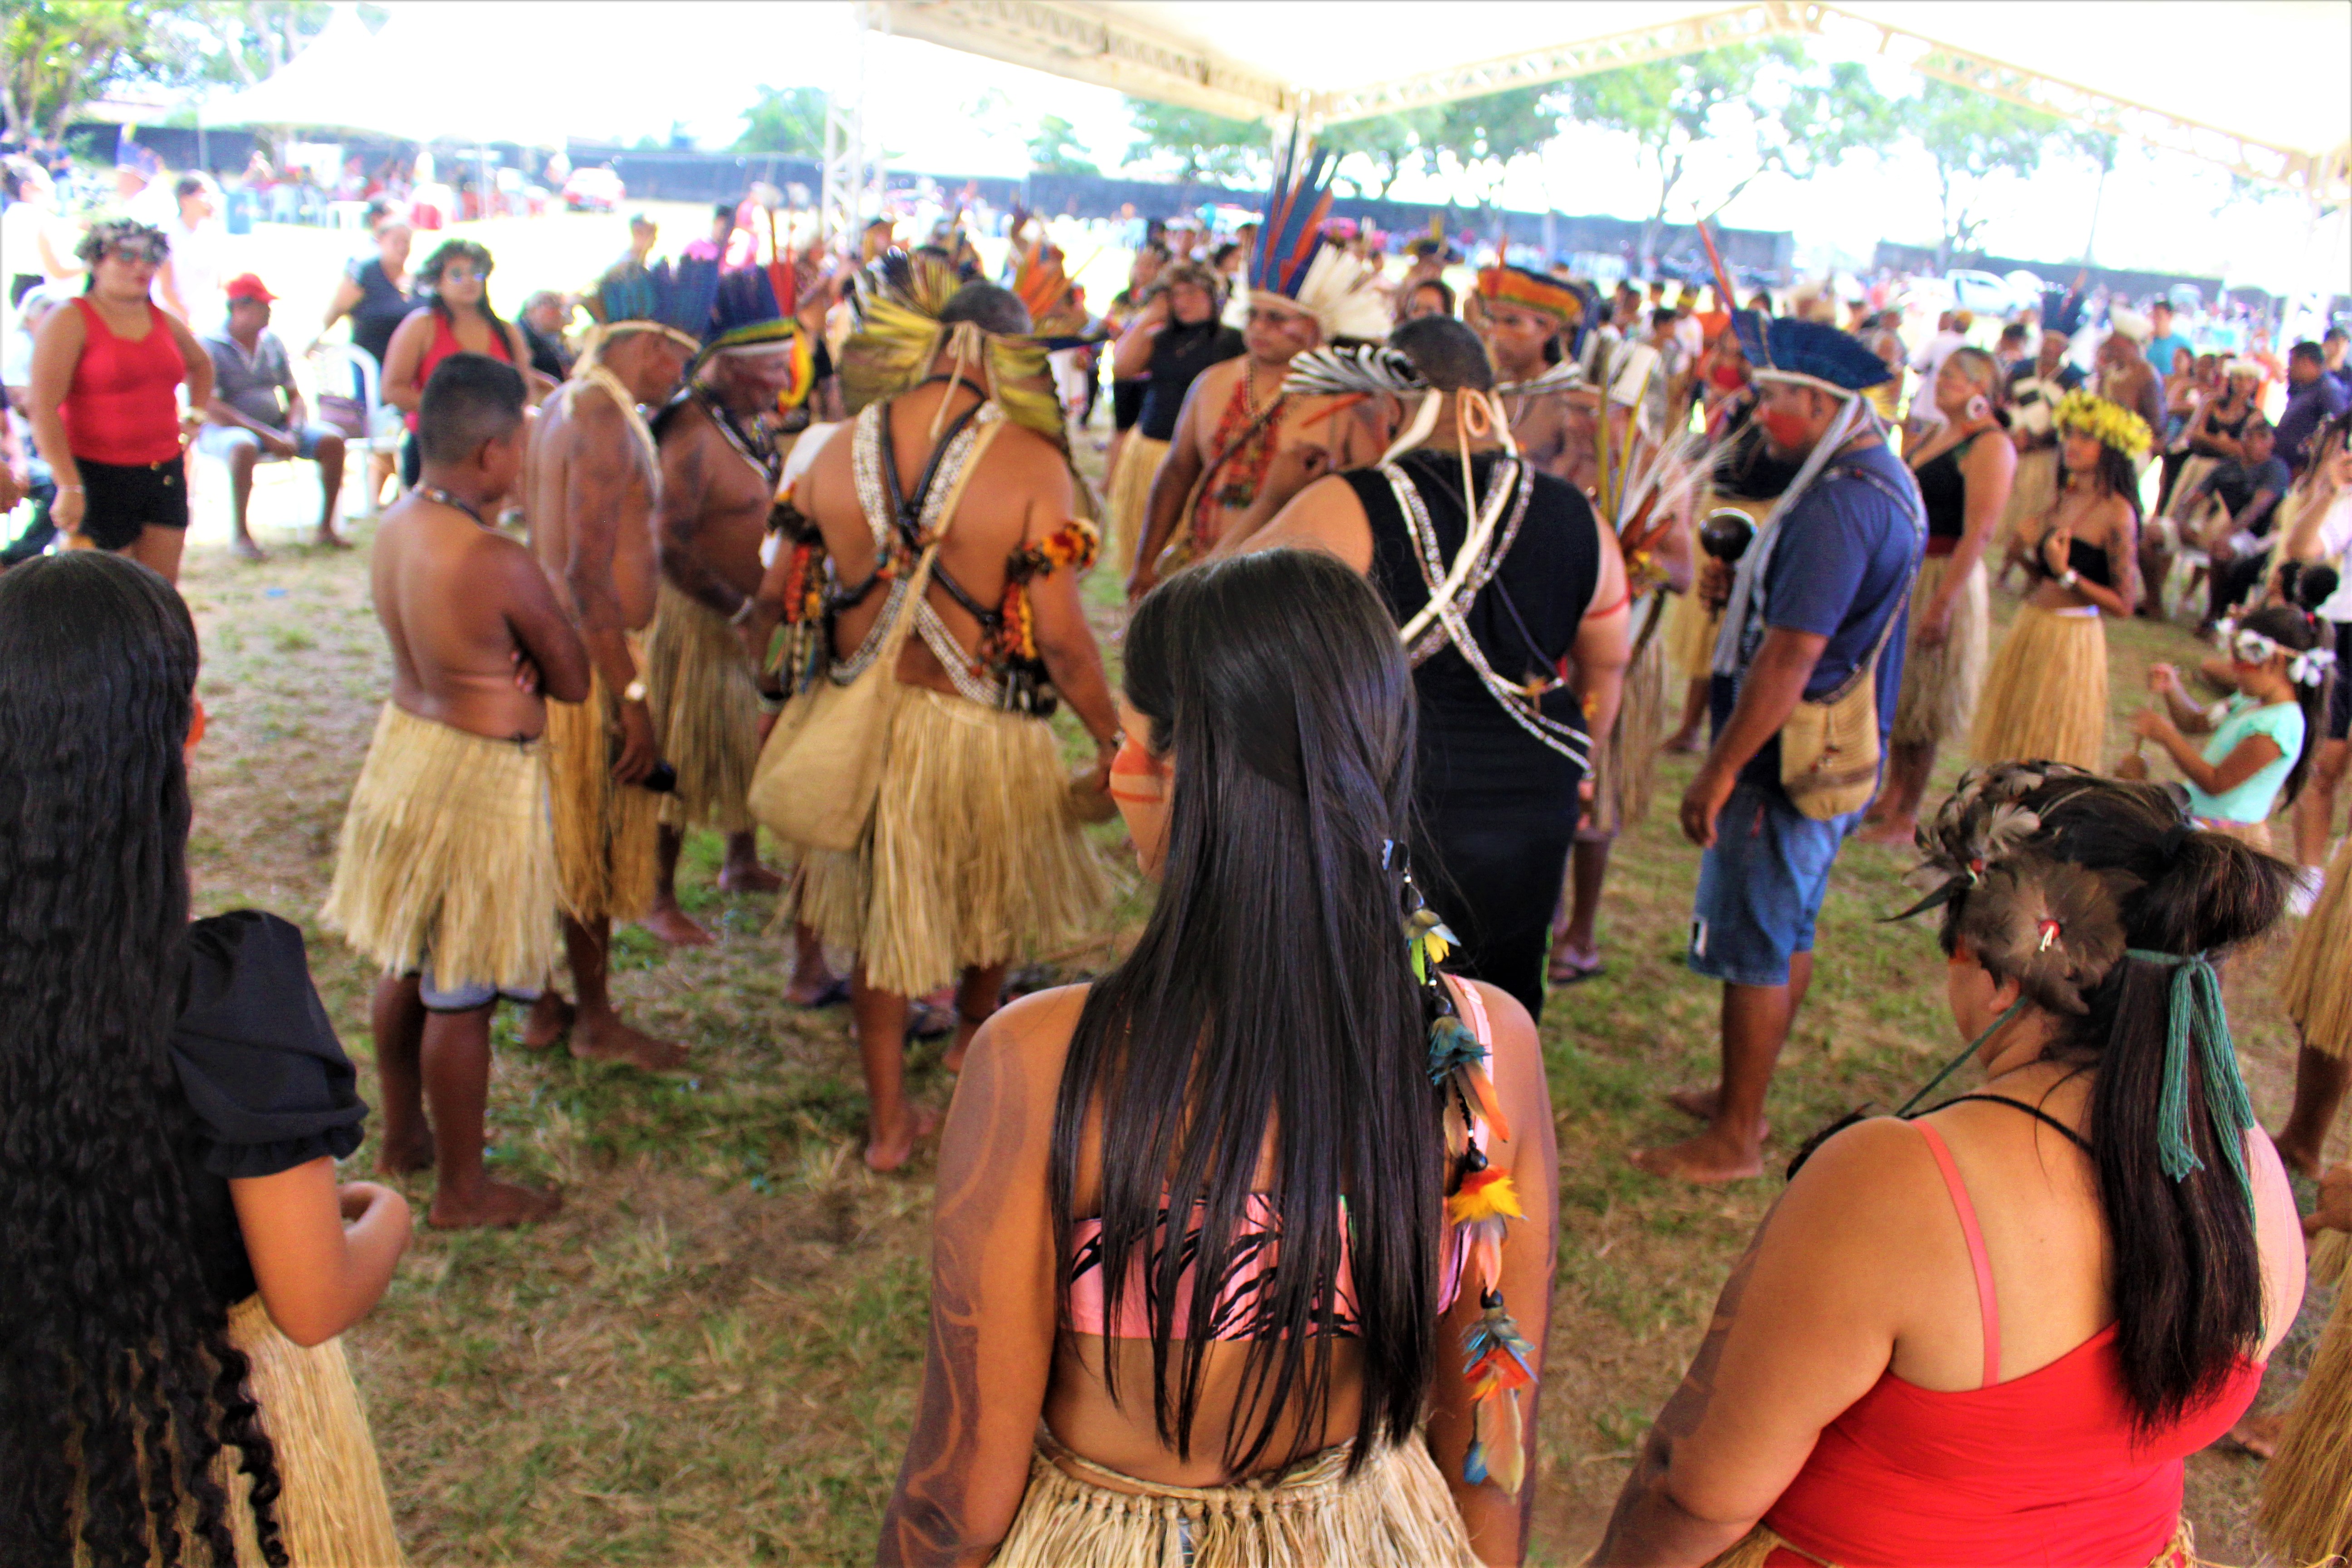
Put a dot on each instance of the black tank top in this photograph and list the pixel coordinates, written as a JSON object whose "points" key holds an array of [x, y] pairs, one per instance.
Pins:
{"points": [[1945, 490], [1524, 621], [2090, 562], [1179, 355], [383, 306]]}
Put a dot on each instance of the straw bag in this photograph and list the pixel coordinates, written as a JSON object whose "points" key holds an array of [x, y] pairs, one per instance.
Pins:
{"points": [[819, 774], [1829, 747]]}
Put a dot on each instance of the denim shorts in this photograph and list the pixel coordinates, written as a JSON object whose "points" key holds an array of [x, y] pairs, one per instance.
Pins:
{"points": [[223, 440], [1761, 886], [466, 995]]}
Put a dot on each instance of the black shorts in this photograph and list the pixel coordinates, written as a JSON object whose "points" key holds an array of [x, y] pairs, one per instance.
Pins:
{"points": [[2339, 684], [121, 502]]}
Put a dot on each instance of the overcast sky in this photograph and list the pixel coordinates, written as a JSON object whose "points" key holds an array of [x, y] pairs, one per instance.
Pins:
{"points": [[629, 70]]}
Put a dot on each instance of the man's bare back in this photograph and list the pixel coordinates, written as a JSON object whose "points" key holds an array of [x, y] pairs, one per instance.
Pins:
{"points": [[1020, 490], [582, 454], [458, 604], [715, 512]]}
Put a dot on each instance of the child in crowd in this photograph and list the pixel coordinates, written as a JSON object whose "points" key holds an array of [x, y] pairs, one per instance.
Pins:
{"points": [[446, 871], [2261, 737]]}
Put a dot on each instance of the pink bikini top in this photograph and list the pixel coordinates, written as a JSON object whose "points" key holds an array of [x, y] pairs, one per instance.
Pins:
{"points": [[1255, 1246]]}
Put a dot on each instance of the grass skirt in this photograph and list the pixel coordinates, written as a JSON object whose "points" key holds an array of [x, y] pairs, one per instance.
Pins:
{"points": [[2306, 1501], [446, 849], [974, 855], [1394, 1513], [605, 829], [2031, 493], [1938, 700], [2317, 993], [706, 712], [1625, 771], [333, 1512], [1130, 496], [1690, 635], [1755, 1549], [2045, 697]]}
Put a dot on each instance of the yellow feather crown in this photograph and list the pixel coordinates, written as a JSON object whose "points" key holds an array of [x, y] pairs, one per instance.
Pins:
{"points": [[2109, 424]]}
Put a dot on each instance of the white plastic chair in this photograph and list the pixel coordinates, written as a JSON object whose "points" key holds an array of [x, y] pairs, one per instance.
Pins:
{"points": [[337, 361]]}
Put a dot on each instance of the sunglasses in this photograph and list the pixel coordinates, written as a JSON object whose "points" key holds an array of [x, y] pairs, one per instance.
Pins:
{"points": [[135, 250], [461, 275]]}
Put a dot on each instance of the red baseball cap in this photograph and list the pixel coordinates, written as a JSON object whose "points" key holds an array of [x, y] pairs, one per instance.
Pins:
{"points": [[248, 286]]}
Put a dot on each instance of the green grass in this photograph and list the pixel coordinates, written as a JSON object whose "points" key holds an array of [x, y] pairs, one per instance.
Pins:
{"points": [[710, 1356]]}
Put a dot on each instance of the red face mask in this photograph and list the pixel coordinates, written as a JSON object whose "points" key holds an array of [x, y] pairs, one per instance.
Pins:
{"points": [[1786, 430]]}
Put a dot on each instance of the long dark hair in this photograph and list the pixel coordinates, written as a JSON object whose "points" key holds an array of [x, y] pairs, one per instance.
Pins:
{"points": [[1270, 992], [2291, 627], [119, 1387], [2188, 1288], [428, 279]]}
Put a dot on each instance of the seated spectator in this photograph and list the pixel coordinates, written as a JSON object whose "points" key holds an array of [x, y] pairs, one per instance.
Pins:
{"points": [[1992, 1332], [2237, 533], [181, 1256], [2332, 357], [543, 322], [2313, 398], [257, 414], [27, 469]]}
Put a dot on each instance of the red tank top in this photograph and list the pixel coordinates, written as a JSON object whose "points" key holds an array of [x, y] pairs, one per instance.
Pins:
{"points": [[120, 407], [445, 343], [2040, 1469]]}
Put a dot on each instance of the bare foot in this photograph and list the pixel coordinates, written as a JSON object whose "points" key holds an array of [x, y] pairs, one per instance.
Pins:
{"points": [[1895, 832], [749, 877], [1705, 1159], [404, 1156], [670, 923], [2257, 1435], [1681, 743], [550, 1020], [884, 1156], [607, 1040], [828, 990], [327, 538], [245, 548], [965, 1030], [498, 1203], [1700, 1103], [1570, 965]]}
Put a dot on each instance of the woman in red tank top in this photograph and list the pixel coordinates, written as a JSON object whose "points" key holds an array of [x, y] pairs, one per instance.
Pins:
{"points": [[1990, 1335], [456, 317], [105, 406]]}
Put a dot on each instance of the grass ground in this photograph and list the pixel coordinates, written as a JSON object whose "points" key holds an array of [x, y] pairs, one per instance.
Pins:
{"points": [[710, 1356]]}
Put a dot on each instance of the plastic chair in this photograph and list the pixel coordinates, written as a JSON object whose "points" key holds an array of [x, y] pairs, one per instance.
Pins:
{"points": [[341, 359]]}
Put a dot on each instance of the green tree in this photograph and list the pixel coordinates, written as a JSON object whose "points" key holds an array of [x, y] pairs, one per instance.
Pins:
{"points": [[1375, 154], [1760, 101], [1974, 139], [1056, 149], [246, 41], [58, 54], [1474, 140], [1204, 145], [784, 120]]}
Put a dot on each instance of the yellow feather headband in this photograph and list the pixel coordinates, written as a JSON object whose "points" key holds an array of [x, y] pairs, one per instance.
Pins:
{"points": [[2109, 424], [899, 335]]}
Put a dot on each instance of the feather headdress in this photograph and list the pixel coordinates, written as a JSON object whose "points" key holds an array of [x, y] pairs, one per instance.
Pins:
{"points": [[673, 298], [1294, 264], [899, 334], [748, 316]]}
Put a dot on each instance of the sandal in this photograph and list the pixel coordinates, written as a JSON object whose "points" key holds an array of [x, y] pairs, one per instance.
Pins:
{"points": [[1566, 969], [834, 993]]}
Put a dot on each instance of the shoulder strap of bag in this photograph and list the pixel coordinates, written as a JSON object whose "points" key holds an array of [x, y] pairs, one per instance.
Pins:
{"points": [[1911, 508]]}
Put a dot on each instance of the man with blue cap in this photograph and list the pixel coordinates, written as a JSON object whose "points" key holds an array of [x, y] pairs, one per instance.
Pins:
{"points": [[1803, 694]]}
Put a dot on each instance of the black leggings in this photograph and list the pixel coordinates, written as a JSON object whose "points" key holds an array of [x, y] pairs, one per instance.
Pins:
{"points": [[1497, 885]]}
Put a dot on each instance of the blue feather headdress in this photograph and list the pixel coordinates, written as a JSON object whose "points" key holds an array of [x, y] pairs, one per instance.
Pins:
{"points": [[1294, 263], [672, 297]]}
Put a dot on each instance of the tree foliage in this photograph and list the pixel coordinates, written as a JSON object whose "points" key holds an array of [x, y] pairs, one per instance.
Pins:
{"points": [[1204, 145], [1474, 141], [1056, 149], [1375, 153], [1755, 109], [58, 54], [788, 120], [1973, 139]]}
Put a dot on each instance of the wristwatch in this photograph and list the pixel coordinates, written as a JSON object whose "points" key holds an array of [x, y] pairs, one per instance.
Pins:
{"points": [[2069, 578], [635, 691]]}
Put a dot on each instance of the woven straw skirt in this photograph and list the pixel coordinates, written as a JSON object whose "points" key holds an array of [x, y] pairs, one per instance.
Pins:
{"points": [[1625, 770], [2317, 993], [333, 1512], [1690, 635], [607, 832], [1395, 1512], [1938, 700], [706, 712], [1131, 495], [2045, 696], [976, 856]]}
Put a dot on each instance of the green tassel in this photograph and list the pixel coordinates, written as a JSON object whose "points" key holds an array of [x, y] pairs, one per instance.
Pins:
{"points": [[2195, 1020]]}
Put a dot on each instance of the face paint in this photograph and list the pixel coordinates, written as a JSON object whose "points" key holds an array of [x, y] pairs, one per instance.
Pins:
{"points": [[1786, 427], [1137, 778]]}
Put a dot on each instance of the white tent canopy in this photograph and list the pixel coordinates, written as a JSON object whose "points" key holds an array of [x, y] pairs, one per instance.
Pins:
{"points": [[408, 82], [2263, 86]]}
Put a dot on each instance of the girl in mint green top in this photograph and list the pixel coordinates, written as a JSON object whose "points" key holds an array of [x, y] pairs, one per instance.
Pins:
{"points": [[2260, 740]]}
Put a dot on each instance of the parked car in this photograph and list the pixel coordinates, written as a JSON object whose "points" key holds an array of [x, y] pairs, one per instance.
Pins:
{"points": [[593, 191]]}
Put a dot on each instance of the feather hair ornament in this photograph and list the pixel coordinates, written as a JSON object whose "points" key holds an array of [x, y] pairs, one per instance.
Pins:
{"points": [[899, 335], [1292, 264]]}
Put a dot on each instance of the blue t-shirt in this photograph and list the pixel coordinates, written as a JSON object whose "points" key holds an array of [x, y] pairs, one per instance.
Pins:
{"points": [[1843, 562], [2160, 352], [2252, 800]]}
